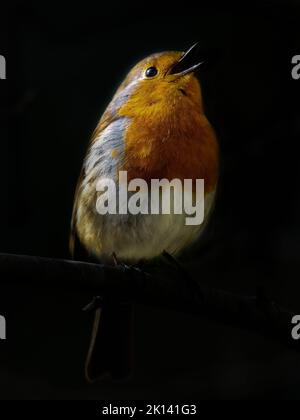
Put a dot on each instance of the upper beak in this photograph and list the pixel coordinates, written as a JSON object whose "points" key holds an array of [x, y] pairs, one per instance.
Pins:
{"points": [[188, 62]]}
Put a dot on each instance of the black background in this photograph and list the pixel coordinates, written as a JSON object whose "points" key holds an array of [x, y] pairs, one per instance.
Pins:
{"points": [[64, 62]]}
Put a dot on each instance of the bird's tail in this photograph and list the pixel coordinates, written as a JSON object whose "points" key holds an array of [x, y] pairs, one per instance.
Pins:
{"points": [[110, 350]]}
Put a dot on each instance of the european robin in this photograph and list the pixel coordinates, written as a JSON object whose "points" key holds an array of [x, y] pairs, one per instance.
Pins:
{"points": [[154, 128]]}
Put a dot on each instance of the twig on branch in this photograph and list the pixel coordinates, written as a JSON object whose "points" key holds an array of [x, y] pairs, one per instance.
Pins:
{"points": [[168, 290]]}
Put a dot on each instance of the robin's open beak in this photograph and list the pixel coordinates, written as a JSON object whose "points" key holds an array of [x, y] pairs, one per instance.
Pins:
{"points": [[188, 62]]}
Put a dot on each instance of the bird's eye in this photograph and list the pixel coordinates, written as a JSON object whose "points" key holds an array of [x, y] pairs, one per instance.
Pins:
{"points": [[151, 71]]}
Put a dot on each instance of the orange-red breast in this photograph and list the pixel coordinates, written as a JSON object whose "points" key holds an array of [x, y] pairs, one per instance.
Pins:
{"points": [[153, 128]]}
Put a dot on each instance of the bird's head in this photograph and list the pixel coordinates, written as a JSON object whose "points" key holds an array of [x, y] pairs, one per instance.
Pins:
{"points": [[159, 84]]}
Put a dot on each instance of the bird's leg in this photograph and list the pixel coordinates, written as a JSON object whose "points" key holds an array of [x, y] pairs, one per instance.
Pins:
{"points": [[115, 259], [96, 303], [192, 284]]}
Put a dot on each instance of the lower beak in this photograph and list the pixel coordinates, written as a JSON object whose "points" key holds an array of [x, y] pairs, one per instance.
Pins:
{"points": [[188, 63]]}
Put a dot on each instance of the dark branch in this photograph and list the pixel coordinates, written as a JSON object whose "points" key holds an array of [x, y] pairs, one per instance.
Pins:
{"points": [[167, 290]]}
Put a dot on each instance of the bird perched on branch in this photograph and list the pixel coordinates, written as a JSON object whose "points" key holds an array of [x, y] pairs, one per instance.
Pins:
{"points": [[154, 128]]}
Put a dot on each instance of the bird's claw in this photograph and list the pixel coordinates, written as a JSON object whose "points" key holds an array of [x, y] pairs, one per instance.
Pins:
{"points": [[127, 268]]}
